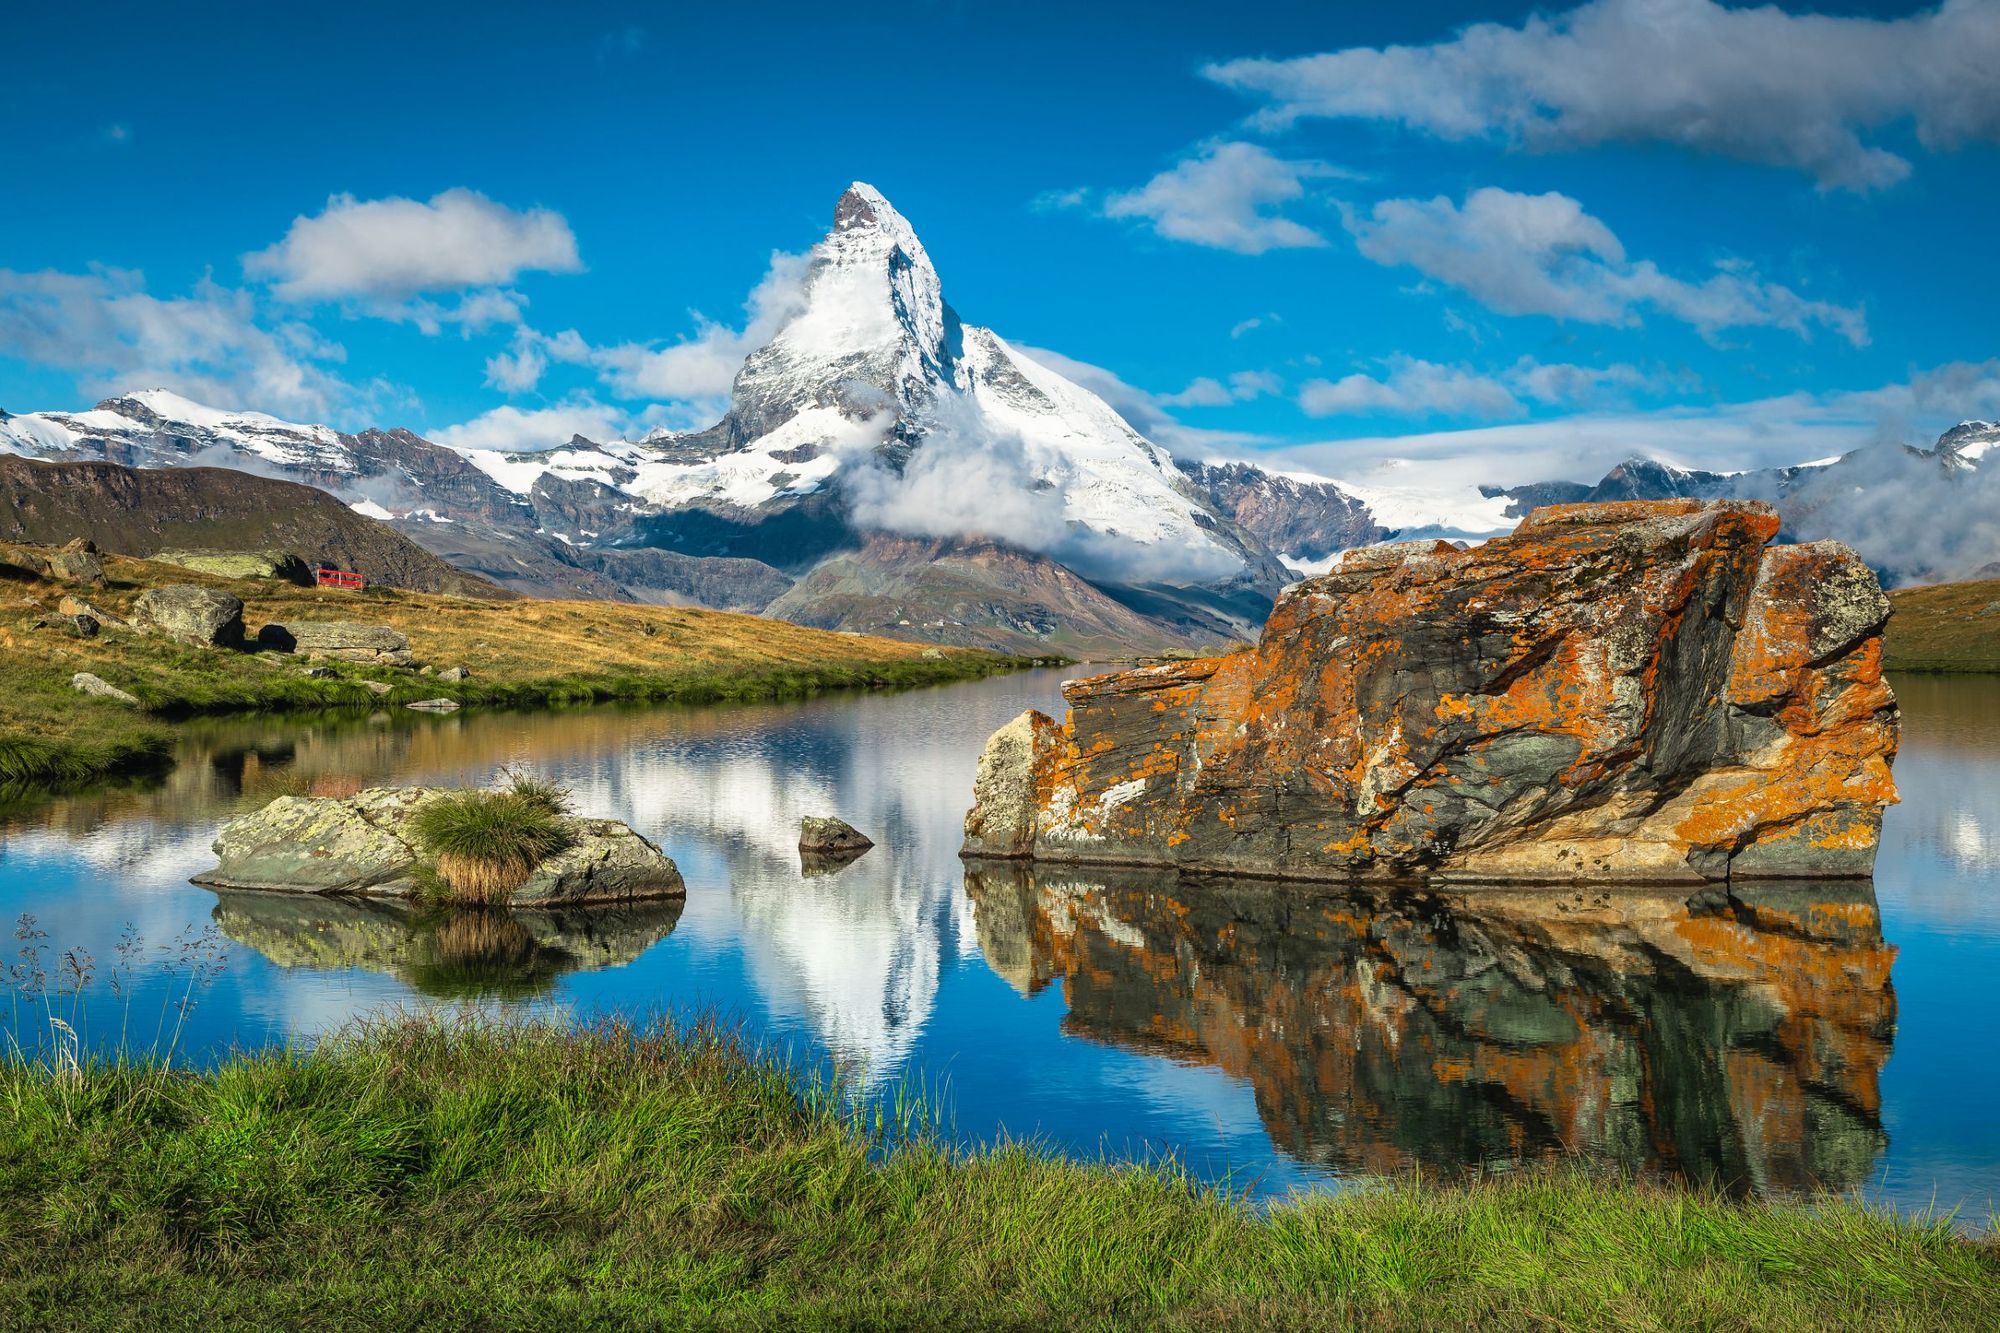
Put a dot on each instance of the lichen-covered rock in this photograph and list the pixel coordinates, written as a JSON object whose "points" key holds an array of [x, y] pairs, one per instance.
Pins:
{"points": [[77, 562], [238, 564], [84, 682], [823, 835], [1643, 691], [200, 616], [367, 844], [341, 640], [608, 862]]}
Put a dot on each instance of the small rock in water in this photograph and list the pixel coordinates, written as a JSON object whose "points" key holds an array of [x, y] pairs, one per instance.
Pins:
{"points": [[85, 683], [434, 705], [826, 836]]}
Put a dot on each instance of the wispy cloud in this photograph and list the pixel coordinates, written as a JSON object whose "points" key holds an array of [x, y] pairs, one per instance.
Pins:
{"points": [[1541, 254], [1802, 91]]}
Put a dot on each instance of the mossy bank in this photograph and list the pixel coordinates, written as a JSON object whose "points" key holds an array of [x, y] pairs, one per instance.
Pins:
{"points": [[439, 1177], [517, 654]]}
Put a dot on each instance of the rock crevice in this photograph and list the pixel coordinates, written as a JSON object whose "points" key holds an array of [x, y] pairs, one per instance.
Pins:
{"points": [[1633, 691]]}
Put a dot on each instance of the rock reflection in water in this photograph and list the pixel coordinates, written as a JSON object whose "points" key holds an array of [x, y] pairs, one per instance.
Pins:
{"points": [[456, 952], [1735, 1038]]}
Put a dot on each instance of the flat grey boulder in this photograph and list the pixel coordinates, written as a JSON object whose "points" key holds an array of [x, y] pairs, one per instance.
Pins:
{"points": [[434, 705], [83, 682], [341, 641], [200, 616], [367, 844], [825, 836]]}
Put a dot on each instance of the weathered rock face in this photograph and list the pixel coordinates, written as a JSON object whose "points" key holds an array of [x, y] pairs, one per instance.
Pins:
{"points": [[340, 640], [367, 844], [1644, 691], [199, 616]]}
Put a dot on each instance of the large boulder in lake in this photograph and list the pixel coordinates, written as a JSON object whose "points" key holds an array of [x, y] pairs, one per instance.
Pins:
{"points": [[367, 844], [200, 616], [340, 640], [1635, 691]]}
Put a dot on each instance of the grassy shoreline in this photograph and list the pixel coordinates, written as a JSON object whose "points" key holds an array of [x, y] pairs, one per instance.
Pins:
{"points": [[1945, 628], [435, 1175], [521, 655]]}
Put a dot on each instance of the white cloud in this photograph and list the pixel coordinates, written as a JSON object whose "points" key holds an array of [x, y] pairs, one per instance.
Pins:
{"points": [[510, 428], [104, 328], [388, 250], [1769, 432], [705, 365], [1226, 196], [1541, 254], [1759, 84], [520, 368], [1206, 391], [1417, 388], [1411, 388]]}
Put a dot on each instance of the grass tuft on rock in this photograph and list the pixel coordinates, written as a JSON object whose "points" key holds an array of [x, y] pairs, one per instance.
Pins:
{"points": [[440, 1175], [485, 843]]}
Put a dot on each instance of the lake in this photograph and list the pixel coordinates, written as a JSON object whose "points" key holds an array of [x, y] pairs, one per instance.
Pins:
{"points": [[1773, 1039]]}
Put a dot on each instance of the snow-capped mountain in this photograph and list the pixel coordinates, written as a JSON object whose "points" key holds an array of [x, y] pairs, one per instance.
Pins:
{"points": [[885, 466]]}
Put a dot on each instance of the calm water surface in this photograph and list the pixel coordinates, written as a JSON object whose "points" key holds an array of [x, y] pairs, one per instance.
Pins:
{"points": [[1774, 1040]]}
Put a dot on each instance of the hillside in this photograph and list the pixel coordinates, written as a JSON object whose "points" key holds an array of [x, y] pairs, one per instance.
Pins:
{"points": [[519, 652], [141, 511], [1946, 627]]}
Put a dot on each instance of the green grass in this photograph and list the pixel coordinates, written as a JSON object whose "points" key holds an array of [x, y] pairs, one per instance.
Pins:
{"points": [[482, 844], [1946, 627], [420, 1175]]}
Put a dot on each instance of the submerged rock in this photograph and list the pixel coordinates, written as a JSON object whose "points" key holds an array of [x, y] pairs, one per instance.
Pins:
{"points": [[200, 616], [1635, 691], [367, 844], [824, 836]]}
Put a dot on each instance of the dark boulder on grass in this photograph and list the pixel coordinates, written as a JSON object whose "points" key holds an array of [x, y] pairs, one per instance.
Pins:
{"points": [[371, 843], [825, 836], [198, 616]]}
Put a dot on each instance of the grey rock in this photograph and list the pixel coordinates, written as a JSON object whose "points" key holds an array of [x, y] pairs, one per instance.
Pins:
{"points": [[320, 673], [434, 705], [72, 605], [199, 616], [454, 674], [341, 641], [378, 686], [827, 836], [607, 862], [77, 562], [1002, 820], [84, 682], [367, 844], [238, 564], [81, 627]]}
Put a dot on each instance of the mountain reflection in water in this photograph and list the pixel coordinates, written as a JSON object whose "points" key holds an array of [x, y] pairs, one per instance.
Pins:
{"points": [[1734, 1038]]}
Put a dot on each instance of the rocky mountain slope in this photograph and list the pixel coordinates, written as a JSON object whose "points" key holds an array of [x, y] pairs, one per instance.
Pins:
{"points": [[135, 511]]}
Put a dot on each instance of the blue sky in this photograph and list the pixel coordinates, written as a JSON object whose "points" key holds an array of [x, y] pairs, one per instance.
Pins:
{"points": [[1331, 234]]}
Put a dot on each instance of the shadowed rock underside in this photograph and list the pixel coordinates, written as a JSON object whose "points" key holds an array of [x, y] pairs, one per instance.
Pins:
{"points": [[1638, 691]]}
